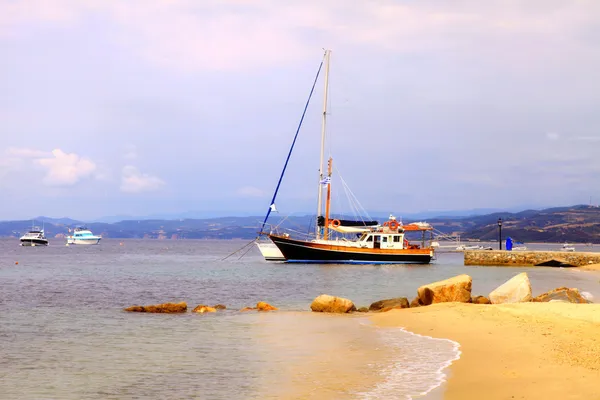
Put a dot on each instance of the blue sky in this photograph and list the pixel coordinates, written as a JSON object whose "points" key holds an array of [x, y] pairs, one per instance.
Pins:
{"points": [[155, 106]]}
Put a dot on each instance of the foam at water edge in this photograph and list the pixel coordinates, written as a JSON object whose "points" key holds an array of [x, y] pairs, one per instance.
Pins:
{"points": [[417, 367]]}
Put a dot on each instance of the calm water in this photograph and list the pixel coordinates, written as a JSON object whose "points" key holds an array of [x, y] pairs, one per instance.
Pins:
{"points": [[63, 334]]}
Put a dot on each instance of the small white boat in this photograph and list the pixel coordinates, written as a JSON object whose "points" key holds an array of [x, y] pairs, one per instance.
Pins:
{"points": [[269, 250], [520, 248], [463, 247], [82, 235], [567, 247], [35, 237]]}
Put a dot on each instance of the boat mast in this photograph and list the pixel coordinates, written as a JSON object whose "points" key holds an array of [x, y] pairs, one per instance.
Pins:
{"points": [[323, 125], [328, 200]]}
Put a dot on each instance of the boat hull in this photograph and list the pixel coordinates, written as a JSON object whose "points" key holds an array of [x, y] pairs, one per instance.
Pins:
{"points": [[84, 241], [300, 251], [34, 242], [270, 251]]}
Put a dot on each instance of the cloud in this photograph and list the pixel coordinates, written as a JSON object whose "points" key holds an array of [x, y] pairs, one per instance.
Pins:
{"points": [[552, 136], [250, 191], [23, 152], [133, 181], [66, 169]]}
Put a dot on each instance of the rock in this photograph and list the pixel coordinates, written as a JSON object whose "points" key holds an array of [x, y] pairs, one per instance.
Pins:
{"points": [[160, 308], [331, 304], [204, 309], [480, 300], [363, 309], [457, 288], [515, 290], [219, 307], [561, 294], [248, 309], [415, 302], [262, 306], [399, 302]]}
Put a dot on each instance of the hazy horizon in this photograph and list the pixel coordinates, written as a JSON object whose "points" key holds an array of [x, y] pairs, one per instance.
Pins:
{"points": [[147, 107]]}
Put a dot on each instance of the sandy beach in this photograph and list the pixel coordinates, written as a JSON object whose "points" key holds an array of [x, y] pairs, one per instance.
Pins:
{"points": [[513, 351]]}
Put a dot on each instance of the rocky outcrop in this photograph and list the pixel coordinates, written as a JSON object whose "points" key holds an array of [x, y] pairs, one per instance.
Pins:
{"points": [[332, 304], [363, 309], [480, 300], [262, 306], [248, 309], [399, 302], [513, 258], [220, 307], [515, 290], [457, 289], [201, 308], [160, 308], [562, 294]]}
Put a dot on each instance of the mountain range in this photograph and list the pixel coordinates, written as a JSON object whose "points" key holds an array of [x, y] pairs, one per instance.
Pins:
{"points": [[580, 223]]}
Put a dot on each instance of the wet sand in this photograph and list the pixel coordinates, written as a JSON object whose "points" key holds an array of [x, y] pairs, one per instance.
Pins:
{"points": [[520, 351]]}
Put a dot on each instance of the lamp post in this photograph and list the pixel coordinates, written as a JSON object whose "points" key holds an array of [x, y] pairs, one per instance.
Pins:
{"points": [[499, 233]]}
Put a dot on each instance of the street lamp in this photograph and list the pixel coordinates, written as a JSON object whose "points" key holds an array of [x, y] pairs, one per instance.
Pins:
{"points": [[500, 233]]}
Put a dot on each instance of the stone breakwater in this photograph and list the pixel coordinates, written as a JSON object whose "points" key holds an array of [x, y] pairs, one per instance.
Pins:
{"points": [[530, 258]]}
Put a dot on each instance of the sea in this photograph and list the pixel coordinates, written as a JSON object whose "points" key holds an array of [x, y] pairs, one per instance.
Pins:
{"points": [[64, 334]]}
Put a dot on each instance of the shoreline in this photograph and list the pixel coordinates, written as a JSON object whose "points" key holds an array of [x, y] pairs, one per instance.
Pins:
{"points": [[525, 350]]}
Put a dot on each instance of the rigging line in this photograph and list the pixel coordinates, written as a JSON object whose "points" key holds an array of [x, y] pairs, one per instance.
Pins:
{"points": [[355, 199], [241, 248], [293, 143]]}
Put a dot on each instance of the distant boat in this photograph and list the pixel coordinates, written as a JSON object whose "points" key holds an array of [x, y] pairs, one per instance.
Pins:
{"points": [[567, 247], [82, 235], [463, 247], [35, 237]]}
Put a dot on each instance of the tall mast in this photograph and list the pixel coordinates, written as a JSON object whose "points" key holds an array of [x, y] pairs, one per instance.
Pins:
{"points": [[323, 126]]}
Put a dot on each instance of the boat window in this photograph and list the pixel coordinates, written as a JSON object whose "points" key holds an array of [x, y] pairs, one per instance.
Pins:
{"points": [[396, 238], [377, 238], [385, 239], [370, 238]]}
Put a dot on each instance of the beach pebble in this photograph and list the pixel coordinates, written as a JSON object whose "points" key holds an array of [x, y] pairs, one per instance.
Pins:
{"points": [[480, 300], [160, 308], [457, 289], [363, 309], [515, 290], [332, 304], [220, 306]]}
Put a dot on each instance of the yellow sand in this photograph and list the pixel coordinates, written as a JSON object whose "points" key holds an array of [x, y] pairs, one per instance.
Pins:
{"points": [[590, 267], [520, 351]]}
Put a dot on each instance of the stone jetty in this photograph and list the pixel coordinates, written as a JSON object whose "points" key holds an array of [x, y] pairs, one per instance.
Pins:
{"points": [[530, 258]]}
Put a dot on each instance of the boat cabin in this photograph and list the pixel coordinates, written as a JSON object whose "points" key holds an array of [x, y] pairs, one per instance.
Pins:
{"points": [[385, 240]]}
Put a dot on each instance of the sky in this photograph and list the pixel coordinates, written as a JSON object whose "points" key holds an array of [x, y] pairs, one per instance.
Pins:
{"points": [[147, 107]]}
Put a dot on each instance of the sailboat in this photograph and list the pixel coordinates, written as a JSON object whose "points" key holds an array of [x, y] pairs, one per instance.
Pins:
{"points": [[267, 248], [375, 243]]}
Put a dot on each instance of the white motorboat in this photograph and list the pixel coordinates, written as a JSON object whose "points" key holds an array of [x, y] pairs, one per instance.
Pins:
{"points": [[568, 247], [82, 235], [35, 237]]}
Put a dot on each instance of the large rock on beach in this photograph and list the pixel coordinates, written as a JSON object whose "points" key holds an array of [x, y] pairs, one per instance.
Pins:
{"points": [[160, 308], [262, 306], [201, 308], [515, 290], [332, 304], [220, 307], [569, 295], [399, 302], [456, 289], [415, 302]]}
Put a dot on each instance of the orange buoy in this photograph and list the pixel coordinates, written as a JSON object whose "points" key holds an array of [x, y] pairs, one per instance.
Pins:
{"points": [[394, 225], [335, 223], [16, 263]]}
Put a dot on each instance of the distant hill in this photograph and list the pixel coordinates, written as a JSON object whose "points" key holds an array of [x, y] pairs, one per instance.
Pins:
{"points": [[579, 223]]}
